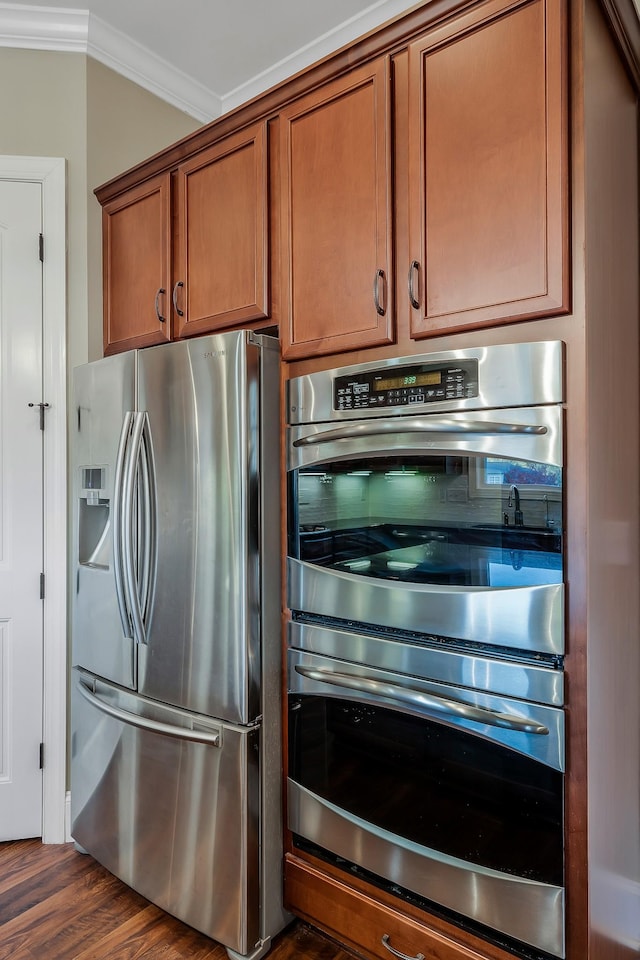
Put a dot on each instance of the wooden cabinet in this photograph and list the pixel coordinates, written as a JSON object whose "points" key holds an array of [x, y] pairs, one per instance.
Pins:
{"points": [[203, 270], [137, 266], [488, 169], [369, 926], [222, 235], [336, 215]]}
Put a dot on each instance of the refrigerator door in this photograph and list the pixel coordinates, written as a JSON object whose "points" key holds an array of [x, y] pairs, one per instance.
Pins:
{"points": [[100, 427], [169, 802], [201, 650]]}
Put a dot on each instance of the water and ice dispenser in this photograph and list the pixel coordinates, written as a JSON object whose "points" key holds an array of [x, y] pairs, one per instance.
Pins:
{"points": [[94, 510]]}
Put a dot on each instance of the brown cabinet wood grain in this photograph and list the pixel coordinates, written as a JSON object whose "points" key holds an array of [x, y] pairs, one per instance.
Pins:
{"points": [[368, 926], [222, 235], [203, 270], [336, 215], [488, 169], [137, 266]]}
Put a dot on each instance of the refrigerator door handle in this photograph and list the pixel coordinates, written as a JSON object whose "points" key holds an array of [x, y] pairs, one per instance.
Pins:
{"points": [[118, 524], [148, 525], [129, 526], [212, 737]]}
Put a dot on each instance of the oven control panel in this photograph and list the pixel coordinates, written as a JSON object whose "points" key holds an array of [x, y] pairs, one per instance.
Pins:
{"points": [[405, 386]]}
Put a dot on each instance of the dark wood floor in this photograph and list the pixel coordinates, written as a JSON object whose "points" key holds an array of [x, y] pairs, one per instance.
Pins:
{"points": [[56, 904]]}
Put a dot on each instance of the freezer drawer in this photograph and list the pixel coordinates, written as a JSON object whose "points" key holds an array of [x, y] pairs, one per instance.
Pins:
{"points": [[169, 802]]}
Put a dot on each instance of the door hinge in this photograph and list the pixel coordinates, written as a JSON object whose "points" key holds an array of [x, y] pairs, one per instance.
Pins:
{"points": [[42, 586], [42, 756], [41, 248], [43, 407]]}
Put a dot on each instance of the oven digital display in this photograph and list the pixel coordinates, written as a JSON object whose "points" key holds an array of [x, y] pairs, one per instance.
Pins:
{"points": [[409, 380], [409, 385]]}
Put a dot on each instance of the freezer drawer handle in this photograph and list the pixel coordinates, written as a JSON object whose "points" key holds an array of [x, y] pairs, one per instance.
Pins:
{"points": [[420, 425], [212, 738], [419, 698]]}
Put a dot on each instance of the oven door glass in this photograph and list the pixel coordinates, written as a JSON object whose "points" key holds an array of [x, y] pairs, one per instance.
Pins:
{"points": [[471, 520], [437, 786]]}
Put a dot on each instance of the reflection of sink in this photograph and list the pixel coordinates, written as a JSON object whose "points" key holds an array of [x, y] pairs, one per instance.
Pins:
{"points": [[522, 538]]}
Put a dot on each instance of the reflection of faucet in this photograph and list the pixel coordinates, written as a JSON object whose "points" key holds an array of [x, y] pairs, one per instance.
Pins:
{"points": [[514, 501]]}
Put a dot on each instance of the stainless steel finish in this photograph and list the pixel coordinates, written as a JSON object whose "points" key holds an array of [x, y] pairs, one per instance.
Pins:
{"points": [[147, 523], [307, 674], [194, 826], [160, 291], [211, 737], [384, 940], [516, 374], [525, 618], [207, 572], [177, 309], [104, 392], [524, 681], [379, 275], [176, 819], [526, 910], [130, 527], [519, 434], [414, 266], [431, 702], [118, 524], [426, 425]]}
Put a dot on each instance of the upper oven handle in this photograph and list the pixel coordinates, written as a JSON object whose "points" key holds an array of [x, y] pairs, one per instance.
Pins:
{"points": [[419, 698], [381, 427]]}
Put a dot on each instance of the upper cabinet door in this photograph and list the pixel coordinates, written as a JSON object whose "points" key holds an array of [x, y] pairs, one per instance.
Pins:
{"points": [[488, 169], [222, 235], [136, 237], [336, 216]]}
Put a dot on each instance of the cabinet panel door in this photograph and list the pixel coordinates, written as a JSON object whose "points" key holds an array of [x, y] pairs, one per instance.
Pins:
{"points": [[336, 215], [488, 169], [222, 236], [136, 236]]}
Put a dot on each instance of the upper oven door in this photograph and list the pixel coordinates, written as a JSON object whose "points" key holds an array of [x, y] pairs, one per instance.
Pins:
{"points": [[462, 512]]}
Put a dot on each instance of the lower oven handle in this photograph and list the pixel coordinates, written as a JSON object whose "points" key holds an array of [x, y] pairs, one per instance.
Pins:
{"points": [[432, 701]]}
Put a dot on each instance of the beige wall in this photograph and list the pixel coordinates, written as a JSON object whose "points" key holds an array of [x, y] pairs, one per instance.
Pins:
{"points": [[68, 105], [43, 112]]}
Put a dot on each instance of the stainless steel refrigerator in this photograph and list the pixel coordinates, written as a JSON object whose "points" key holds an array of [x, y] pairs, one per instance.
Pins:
{"points": [[176, 705]]}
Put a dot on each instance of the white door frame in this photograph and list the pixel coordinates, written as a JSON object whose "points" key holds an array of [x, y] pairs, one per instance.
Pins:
{"points": [[50, 172]]}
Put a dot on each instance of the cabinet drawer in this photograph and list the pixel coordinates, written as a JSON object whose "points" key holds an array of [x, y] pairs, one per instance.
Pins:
{"points": [[365, 925]]}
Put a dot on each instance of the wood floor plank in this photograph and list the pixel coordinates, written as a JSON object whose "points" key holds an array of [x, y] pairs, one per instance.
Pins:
{"points": [[56, 904]]}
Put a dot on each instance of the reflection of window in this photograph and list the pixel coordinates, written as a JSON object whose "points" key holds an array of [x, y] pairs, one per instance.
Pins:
{"points": [[493, 474]]}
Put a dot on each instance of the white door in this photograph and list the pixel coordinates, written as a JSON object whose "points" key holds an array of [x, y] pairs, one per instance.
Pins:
{"points": [[21, 510]]}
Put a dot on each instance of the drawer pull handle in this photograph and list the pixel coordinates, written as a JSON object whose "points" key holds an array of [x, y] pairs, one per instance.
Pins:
{"points": [[396, 953]]}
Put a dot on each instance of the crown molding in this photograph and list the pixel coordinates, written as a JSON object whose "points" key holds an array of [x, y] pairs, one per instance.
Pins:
{"points": [[341, 35], [142, 66], [78, 31]]}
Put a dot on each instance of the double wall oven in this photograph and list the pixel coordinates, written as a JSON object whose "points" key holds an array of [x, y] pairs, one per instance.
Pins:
{"points": [[425, 645]]}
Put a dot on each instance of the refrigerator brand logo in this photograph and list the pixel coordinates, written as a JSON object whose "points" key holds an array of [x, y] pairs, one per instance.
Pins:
{"points": [[214, 353]]}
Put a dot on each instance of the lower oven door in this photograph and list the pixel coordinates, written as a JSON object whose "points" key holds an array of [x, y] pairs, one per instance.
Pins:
{"points": [[450, 794]]}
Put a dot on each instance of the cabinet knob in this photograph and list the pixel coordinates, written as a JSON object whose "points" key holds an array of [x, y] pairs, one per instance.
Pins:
{"points": [[161, 319], [396, 953], [413, 274], [175, 299], [379, 275]]}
